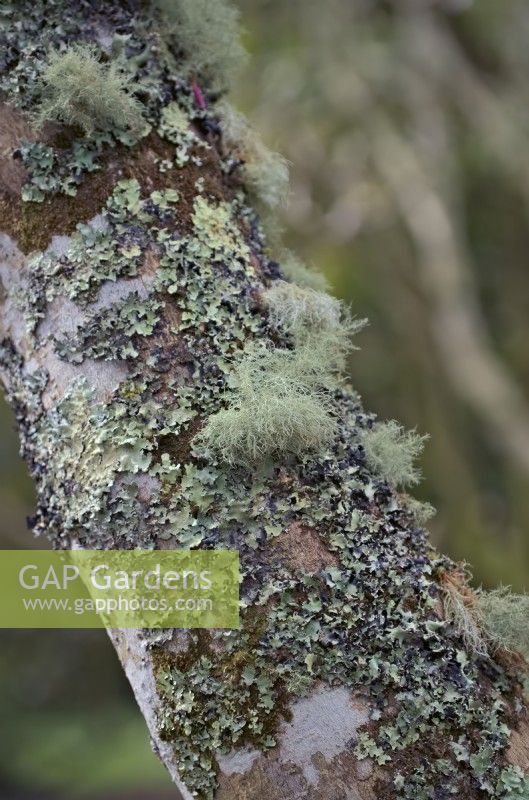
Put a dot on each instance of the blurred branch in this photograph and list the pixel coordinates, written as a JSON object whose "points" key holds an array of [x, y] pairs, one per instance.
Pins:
{"points": [[457, 322], [494, 115]]}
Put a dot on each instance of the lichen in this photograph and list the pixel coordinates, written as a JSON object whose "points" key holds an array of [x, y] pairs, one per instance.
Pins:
{"points": [[110, 114], [75, 88], [199, 313], [111, 333], [296, 309], [391, 452], [265, 172], [278, 408], [206, 35], [460, 608], [317, 323], [296, 271], [504, 618], [175, 127]]}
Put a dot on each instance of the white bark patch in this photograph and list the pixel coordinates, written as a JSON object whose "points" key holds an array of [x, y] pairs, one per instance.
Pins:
{"points": [[63, 316], [324, 723], [12, 264], [103, 377], [59, 245], [238, 762], [113, 292]]}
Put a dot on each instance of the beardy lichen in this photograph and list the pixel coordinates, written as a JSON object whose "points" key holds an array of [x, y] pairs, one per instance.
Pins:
{"points": [[295, 270], [281, 403], [77, 89], [278, 407], [187, 259], [296, 309], [265, 172], [316, 322], [460, 609], [391, 451], [487, 621], [206, 35], [504, 618]]}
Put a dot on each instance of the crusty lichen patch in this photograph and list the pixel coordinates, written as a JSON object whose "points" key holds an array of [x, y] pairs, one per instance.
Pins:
{"points": [[360, 607]]}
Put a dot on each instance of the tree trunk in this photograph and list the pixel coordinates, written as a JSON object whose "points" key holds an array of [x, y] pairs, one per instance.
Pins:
{"points": [[134, 276]]}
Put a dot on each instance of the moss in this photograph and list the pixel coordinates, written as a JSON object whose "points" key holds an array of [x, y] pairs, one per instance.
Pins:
{"points": [[233, 689], [77, 89], [33, 225], [391, 451]]}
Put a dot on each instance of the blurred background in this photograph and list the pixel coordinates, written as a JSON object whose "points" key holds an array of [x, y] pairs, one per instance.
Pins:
{"points": [[407, 127]]}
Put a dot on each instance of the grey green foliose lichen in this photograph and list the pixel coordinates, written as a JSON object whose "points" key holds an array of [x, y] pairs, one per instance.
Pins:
{"points": [[203, 325]]}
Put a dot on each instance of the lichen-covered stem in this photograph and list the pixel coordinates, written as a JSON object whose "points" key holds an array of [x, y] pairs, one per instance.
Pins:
{"points": [[173, 390]]}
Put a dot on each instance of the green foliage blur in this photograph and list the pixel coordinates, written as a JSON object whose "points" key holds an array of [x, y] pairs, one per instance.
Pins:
{"points": [[407, 127]]}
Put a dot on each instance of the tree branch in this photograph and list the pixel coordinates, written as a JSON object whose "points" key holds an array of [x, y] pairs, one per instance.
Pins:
{"points": [[150, 306]]}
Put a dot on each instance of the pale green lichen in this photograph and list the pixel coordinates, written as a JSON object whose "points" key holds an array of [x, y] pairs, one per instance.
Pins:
{"points": [[513, 784], [391, 451], [77, 89], [265, 172], [296, 309], [175, 127], [280, 405], [297, 272], [48, 175], [207, 35], [278, 408], [461, 611], [315, 320], [504, 619], [217, 235], [373, 619], [487, 621], [421, 512], [110, 333]]}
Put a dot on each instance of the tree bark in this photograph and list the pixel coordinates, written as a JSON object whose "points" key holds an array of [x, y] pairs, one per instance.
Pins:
{"points": [[120, 338]]}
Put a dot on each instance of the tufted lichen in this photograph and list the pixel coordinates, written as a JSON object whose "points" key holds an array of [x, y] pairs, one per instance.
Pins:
{"points": [[504, 618], [296, 271], [461, 610], [77, 89], [317, 322], [265, 172], [206, 35], [296, 309], [176, 298], [391, 451], [278, 408]]}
